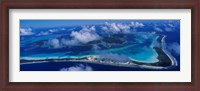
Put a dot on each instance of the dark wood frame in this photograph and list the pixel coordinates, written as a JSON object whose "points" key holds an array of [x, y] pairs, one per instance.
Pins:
{"points": [[102, 4]]}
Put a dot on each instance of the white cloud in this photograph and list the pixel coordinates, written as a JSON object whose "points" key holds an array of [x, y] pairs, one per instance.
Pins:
{"points": [[62, 29], [50, 31], [175, 48], [168, 29], [137, 24], [55, 43], [171, 25], [67, 42], [84, 37], [79, 67], [53, 30], [158, 29], [120, 27], [114, 27], [142, 36], [26, 31], [104, 28], [43, 33], [71, 29], [88, 29], [86, 34]]}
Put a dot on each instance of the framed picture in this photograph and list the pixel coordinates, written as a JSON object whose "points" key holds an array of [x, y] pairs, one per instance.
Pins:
{"points": [[100, 45]]}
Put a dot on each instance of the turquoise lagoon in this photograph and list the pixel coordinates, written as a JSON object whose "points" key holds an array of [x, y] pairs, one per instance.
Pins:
{"points": [[136, 50]]}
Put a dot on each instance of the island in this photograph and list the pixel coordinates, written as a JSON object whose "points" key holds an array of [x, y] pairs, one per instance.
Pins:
{"points": [[165, 59]]}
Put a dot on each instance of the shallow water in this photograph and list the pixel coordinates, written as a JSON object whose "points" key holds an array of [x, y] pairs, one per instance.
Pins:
{"points": [[137, 51]]}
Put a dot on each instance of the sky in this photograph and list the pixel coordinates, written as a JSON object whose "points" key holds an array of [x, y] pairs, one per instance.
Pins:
{"points": [[64, 23], [59, 23]]}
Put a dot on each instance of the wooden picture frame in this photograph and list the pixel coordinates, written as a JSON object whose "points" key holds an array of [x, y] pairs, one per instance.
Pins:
{"points": [[102, 4]]}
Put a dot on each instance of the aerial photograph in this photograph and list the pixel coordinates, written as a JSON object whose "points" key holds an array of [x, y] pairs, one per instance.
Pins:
{"points": [[99, 45]]}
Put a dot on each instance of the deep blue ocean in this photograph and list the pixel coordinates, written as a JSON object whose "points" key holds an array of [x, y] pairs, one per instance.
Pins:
{"points": [[57, 66]]}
